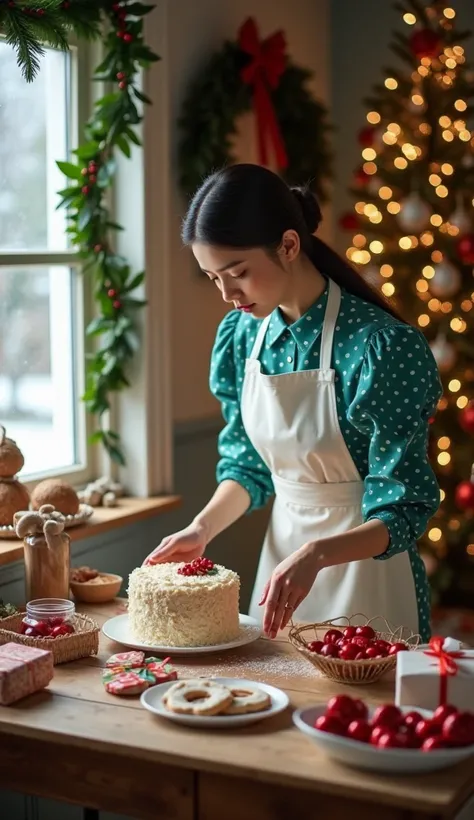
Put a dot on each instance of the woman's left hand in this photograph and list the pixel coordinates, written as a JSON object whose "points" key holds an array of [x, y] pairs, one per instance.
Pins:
{"points": [[289, 585]]}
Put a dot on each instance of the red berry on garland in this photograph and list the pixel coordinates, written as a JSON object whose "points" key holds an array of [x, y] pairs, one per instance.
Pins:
{"points": [[120, 34], [122, 85], [425, 43], [116, 7], [466, 419], [120, 75], [92, 168], [464, 495], [366, 137], [97, 248], [112, 293], [466, 249], [84, 172], [85, 190], [128, 37], [117, 304], [349, 222], [66, 4], [92, 179]]}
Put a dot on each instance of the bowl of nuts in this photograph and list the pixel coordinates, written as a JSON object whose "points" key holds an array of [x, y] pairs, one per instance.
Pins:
{"points": [[94, 587]]}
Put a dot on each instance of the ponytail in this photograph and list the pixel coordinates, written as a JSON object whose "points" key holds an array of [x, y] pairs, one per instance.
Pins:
{"points": [[329, 262]]}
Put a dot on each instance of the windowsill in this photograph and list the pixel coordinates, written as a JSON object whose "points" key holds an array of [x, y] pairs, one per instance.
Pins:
{"points": [[104, 519]]}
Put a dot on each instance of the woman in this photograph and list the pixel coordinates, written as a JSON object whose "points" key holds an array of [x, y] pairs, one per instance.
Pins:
{"points": [[327, 396]]}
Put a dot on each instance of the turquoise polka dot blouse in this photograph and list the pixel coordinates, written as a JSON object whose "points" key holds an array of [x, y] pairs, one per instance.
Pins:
{"points": [[387, 387]]}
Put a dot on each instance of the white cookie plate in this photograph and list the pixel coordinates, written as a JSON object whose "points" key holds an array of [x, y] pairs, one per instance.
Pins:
{"points": [[85, 512], [118, 629], [151, 699]]}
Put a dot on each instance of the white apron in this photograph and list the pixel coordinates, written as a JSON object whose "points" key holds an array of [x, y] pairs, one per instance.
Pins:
{"points": [[291, 420]]}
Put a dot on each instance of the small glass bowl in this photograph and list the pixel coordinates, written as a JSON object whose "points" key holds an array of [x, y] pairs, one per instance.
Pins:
{"points": [[48, 618]]}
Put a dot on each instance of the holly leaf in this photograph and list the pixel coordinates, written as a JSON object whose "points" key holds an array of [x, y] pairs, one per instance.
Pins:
{"points": [[70, 170]]}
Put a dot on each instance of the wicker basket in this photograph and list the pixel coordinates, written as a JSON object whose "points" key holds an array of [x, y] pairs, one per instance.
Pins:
{"points": [[363, 671], [79, 644]]}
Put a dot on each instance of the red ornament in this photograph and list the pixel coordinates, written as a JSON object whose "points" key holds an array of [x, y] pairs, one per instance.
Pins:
{"points": [[112, 293], [349, 222], [366, 137], [127, 38], [263, 73], [361, 178], [120, 75], [466, 419], [85, 190], [466, 249], [117, 304], [425, 43], [122, 85], [464, 495], [92, 179]]}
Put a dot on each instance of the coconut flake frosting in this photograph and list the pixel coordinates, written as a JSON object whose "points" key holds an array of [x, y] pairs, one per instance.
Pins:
{"points": [[167, 608]]}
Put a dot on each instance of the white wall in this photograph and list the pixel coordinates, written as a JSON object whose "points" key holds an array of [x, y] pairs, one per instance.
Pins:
{"points": [[196, 29]]}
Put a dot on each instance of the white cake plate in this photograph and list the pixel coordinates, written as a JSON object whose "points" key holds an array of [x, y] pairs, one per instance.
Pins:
{"points": [[151, 699], [118, 629]]}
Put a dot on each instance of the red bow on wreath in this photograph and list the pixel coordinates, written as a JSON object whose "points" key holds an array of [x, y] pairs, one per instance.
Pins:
{"points": [[263, 73], [447, 664]]}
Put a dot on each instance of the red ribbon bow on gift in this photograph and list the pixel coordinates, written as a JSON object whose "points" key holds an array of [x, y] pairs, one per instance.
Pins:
{"points": [[263, 72], [447, 665]]}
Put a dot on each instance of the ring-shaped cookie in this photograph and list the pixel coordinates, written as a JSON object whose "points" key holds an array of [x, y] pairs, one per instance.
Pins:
{"points": [[197, 697], [247, 699]]}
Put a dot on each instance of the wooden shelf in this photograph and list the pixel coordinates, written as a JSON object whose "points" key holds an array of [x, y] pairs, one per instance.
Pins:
{"points": [[104, 519]]}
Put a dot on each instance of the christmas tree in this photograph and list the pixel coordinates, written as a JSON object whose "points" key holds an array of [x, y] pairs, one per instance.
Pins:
{"points": [[413, 236]]}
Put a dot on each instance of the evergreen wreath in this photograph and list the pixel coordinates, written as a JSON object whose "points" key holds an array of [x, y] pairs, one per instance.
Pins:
{"points": [[254, 74], [27, 26]]}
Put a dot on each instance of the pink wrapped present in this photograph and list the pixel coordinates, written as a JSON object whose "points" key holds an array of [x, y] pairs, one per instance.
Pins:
{"points": [[23, 670]]}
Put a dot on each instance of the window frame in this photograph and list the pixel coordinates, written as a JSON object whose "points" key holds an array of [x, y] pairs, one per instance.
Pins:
{"points": [[80, 102]]}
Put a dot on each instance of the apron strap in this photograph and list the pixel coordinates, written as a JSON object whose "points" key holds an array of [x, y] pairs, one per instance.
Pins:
{"points": [[330, 318], [260, 337]]}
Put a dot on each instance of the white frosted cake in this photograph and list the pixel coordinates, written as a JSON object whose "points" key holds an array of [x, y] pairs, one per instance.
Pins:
{"points": [[194, 604]]}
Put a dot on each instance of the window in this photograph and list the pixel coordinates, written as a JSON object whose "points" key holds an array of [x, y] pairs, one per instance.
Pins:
{"points": [[41, 297]]}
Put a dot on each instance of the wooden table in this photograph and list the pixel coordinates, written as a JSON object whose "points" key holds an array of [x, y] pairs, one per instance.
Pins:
{"points": [[76, 743]]}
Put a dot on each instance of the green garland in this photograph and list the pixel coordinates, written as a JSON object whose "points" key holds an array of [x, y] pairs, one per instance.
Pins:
{"points": [[218, 96], [26, 26]]}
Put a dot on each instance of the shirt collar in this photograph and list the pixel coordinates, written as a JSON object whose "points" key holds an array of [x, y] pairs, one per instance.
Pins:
{"points": [[305, 330]]}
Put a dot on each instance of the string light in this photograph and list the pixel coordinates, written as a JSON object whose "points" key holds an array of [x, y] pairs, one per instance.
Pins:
{"points": [[425, 128], [458, 325], [370, 168], [369, 153], [446, 307], [427, 238], [428, 272], [448, 136], [462, 402], [447, 168], [435, 534], [442, 191], [376, 246], [444, 459], [434, 305], [410, 151], [391, 83], [436, 257], [442, 495], [385, 192], [465, 136], [422, 71], [449, 13], [405, 243], [422, 285], [436, 220], [400, 163], [460, 105], [417, 99], [454, 385], [409, 19], [373, 117], [359, 207], [394, 207], [444, 121], [370, 209], [386, 271], [444, 443], [394, 128], [389, 138], [434, 179], [359, 240], [424, 320], [466, 305], [388, 289], [470, 549]]}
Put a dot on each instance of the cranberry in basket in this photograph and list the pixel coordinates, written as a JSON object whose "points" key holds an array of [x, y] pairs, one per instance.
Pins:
{"points": [[48, 618]]}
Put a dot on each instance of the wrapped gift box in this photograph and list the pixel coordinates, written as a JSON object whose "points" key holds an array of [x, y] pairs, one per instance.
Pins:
{"points": [[23, 670], [441, 672]]}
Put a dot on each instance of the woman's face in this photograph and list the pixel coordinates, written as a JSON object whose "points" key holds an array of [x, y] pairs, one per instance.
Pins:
{"points": [[252, 280]]}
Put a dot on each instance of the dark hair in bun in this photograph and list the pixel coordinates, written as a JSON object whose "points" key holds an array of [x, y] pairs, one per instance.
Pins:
{"points": [[248, 206]]}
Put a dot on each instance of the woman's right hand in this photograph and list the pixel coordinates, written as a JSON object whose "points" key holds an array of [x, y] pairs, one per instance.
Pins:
{"points": [[184, 545]]}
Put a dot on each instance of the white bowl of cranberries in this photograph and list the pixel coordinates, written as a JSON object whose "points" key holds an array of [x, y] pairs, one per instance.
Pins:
{"points": [[388, 738], [351, 653]]}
